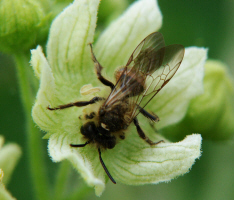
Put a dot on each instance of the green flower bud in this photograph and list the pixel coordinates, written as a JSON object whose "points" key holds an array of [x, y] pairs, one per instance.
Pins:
{"points": [[20, 21], [211, 114]]}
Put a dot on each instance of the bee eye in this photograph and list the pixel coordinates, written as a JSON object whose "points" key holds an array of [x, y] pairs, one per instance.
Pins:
{"points": [[88, 129]]}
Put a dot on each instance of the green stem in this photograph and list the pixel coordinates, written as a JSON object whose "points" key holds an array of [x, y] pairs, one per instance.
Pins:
{"points": [[61, 180], [36, 160], [82, 192]]}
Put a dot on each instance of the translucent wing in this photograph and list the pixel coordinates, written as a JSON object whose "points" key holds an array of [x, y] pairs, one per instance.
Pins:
{"points": [[125, 83], [157, 77], [148, 70], [152, 43]]}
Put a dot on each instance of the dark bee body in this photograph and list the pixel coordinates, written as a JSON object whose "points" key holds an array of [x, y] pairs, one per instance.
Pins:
{"points": [[113, 119], [90, 116], [110, 124], [98, 135], [148, 70], [128, 75]]}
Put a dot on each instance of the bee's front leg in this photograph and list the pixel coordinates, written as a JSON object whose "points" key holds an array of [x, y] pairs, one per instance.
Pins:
{"points": [[142, 134], [77, 104], [98, 69]]}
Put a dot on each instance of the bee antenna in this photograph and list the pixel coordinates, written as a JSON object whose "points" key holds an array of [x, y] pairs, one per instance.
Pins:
{"points": [[104, 167]]}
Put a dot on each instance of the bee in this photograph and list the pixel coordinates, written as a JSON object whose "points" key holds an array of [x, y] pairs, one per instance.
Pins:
{"points": [[149, 68]]}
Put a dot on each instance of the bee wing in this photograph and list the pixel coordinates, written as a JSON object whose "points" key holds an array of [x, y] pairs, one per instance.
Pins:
{"points": [[152, 42], [157, 76], [123, 88], [151, 66]]}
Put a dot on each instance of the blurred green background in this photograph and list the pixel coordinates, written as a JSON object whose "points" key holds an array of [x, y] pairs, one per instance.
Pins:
{"points": [[208, 24]]}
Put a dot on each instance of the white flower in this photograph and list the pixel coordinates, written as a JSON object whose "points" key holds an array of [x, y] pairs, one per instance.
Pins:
{"points": [[68, 67]]}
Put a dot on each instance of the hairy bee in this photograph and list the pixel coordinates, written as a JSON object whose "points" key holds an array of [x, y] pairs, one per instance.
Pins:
{"points": [[148, 70]]}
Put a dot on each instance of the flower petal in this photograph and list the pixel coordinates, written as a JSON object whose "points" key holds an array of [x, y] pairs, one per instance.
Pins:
{"points": [[68, 50], [46, 95], [137, 165], [87, 163], [4, 194], [62, 80], [115, 45], [1, 141], [9, 157], [172, 101]]}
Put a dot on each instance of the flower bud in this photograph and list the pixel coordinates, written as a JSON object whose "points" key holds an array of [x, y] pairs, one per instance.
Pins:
{"points": [[212, 113], [20, 21]]}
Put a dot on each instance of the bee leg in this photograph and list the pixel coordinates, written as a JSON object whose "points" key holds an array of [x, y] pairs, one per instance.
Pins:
{"points": [[77, 104], [142, 134], [122, 136], [152, 116], [104, 167], [80, 145], [98, 69], [152, 124], [100, 158]]}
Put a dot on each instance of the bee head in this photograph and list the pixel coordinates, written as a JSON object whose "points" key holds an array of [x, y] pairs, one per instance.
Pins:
{"points": [[88, 130]]}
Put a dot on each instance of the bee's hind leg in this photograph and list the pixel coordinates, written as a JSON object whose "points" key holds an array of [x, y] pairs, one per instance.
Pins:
{"points": [[142, 134], [98, 69], [152, 124], [153, 117]]}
